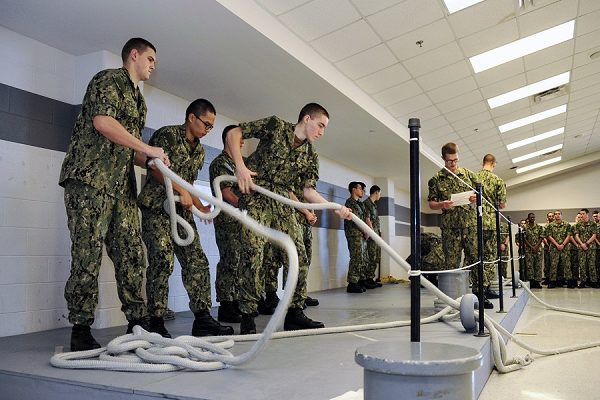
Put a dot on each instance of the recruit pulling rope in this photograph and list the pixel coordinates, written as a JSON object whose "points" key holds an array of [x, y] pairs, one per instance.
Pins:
{"points": [[153, 353]]}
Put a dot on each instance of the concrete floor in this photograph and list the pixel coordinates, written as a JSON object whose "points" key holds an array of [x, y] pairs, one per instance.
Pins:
{"points": [[316, 367]]}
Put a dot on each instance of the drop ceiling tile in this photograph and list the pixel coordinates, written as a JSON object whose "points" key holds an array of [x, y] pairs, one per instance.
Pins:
{"points": [[405, 17], [582, 112], [434, 60], [367, 62], [472, 122], [383, 79], [320, 17], [347, 41], [433, 36], [445, 75], [587, 6], [443, 132], [490, 38], [452, 90], [590, 102], [461, 101], [503, 86], [424, 114], [548, 70], [583, 83], [510, 108], [587, 23], [398, 93], [280, 6], [588, 41], [547, 17], [583, 58], [368, 7], [548, 104], [481, 16], [586, 70], [409, 106], [500, 72], [549, 55], [466, 112], [587, 91]]}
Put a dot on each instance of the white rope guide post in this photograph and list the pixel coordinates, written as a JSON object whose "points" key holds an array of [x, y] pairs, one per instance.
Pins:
{"points": [[153, 353]]}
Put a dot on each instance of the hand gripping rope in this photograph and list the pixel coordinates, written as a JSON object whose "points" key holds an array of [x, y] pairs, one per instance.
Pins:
{"points": [[153, 353]]}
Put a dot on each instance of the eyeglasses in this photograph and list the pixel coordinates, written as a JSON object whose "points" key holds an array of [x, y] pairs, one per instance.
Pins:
{"points": [[207, 126], [451, 161]]}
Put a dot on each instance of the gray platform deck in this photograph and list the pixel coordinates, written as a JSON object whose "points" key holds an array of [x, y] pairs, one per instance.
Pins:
{"points": [[316, 367]]}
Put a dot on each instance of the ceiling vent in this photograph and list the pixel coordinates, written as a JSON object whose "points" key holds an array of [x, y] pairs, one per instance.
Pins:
{"points": [[551, 93], [550, 153]]}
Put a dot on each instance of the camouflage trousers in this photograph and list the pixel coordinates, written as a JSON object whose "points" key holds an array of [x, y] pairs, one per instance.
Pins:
{"points": [[252, 273], [504, 262], [227, 236], [490, 249], [587, 265], [564, 258], [373, 257], [547, 263], [96, 218], [457, 240], [156, 232], [534, 264], [574, 263], [357, 268], [275, 257]]}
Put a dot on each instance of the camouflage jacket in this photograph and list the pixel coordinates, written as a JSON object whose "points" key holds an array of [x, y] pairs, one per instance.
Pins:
{"points": [[371, 213], [559, 231], [223, 164], [442, 186], [586, 230], [93, 159], [350, 228], [534, 234], [280, 167], [185, 162], [494, 190]]}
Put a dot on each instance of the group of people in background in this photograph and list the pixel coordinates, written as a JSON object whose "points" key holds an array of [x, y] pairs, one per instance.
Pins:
{"points": [[102, 206], [561, 253], [365, 254]]}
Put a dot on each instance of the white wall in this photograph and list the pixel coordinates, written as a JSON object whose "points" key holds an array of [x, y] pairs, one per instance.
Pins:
{"points": [[34, 239]]}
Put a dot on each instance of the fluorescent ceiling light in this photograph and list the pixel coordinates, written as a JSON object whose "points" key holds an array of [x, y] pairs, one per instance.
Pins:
{"points": [[537, 153], [457, 5], [536, 138], [533, 118], [523, 47], [538, 165], [528, 90]]}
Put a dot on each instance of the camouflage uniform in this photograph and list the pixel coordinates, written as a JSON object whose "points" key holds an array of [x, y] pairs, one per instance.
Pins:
{"points": [[459, 223], [533, 234], [357, 269], [559, 231], [99, 181], [506, 252], [547, 246], [373, 253], [185, 162], [494, 191], [587, 258], [227, 234], [280, 168]]}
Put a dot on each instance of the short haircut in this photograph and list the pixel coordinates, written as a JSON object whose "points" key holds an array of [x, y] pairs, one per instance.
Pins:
{"points": [[549, 212], [449, 148], [530, 214], [585, 210], [355, 184], [596, 212], [489, 159], [557, 212], [226, 131], [199, 107], [312, 109], [374, 189], [135, 43]]}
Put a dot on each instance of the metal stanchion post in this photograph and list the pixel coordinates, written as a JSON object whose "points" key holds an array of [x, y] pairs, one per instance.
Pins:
{"points": [[480, 256], [512, 259], [415, 225], [499, 258]]}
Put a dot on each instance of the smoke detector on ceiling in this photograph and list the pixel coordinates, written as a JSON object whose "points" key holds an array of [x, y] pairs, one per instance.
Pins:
{"points": [[551, 93]]}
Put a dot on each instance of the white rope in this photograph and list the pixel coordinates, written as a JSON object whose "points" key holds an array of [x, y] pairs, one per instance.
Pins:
{"points": [[157, 354]]}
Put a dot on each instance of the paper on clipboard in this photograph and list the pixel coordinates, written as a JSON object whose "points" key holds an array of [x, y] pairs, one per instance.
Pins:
{"points": [[462, 198]]}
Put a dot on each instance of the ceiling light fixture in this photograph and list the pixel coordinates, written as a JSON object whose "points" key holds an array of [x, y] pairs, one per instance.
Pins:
{"points": [[523, 47], [533, 118], [529, 90], [536, 138], [537, 153], [538, 165], [457, 5]]}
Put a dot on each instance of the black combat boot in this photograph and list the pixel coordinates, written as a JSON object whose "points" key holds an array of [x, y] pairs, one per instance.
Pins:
{"points": [[271, 299], [355, 288], [82, 339], [228, 313], [247, 326], [368, 283], [295, 320], [551, 284], [309, 301], [265, 308], [571, 283], [142, 322], [205, 325], [157, 325]]}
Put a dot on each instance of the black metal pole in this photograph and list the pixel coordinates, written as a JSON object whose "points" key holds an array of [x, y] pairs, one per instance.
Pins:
{"points": [[480, 251], [415, 228], [512, 258], [499, 257]]}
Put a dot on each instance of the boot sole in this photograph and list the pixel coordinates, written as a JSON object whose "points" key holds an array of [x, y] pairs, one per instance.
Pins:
{"points": [[293, 327]]}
